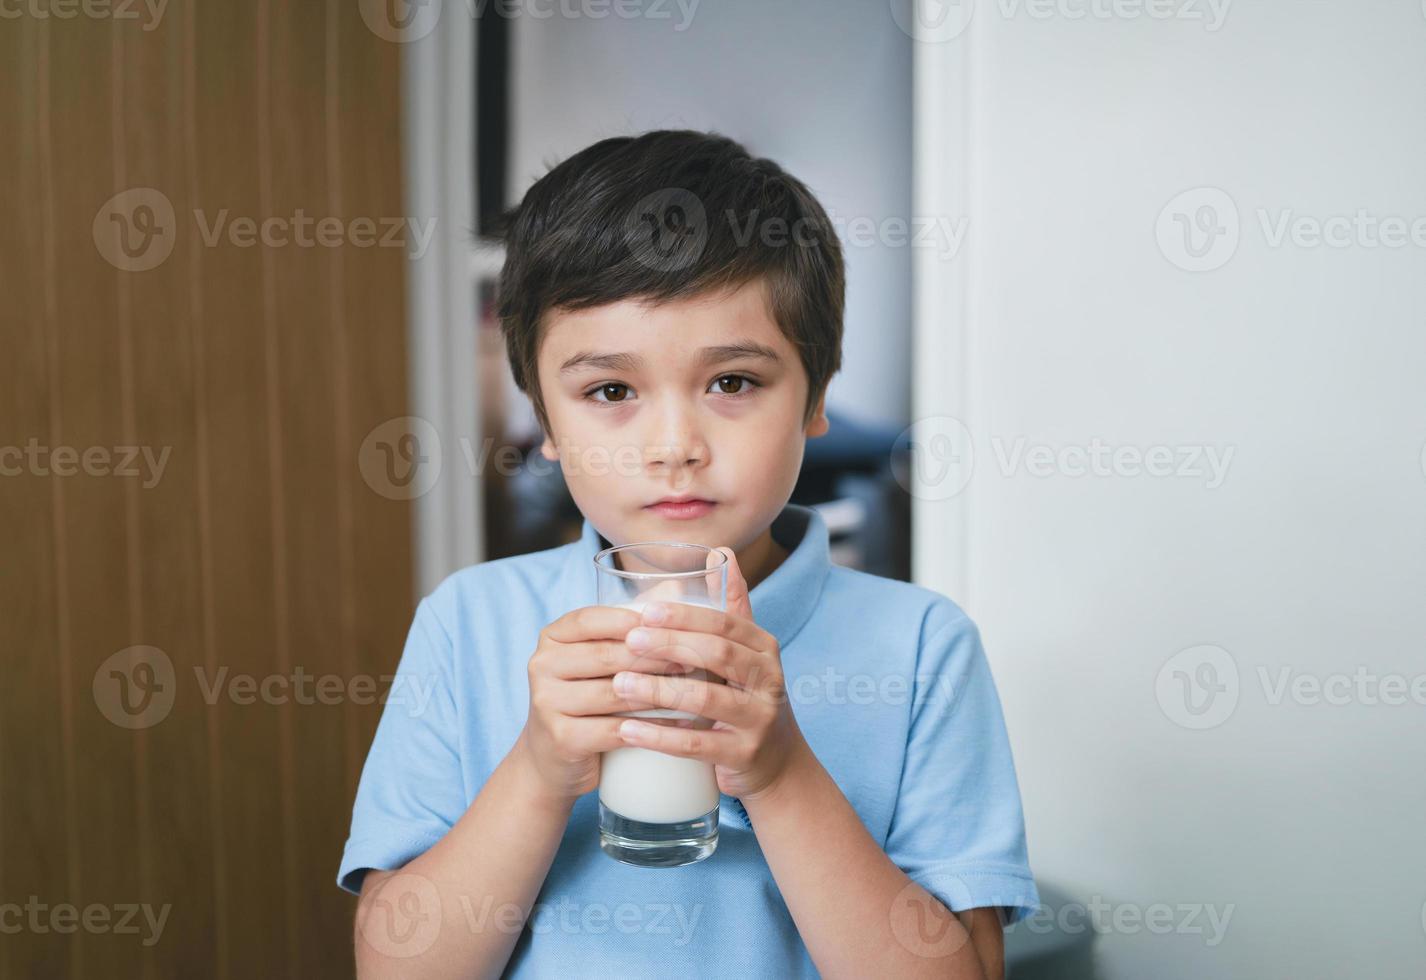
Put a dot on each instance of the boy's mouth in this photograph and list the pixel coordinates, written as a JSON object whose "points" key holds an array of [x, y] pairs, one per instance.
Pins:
{"points": [[682, 508]]}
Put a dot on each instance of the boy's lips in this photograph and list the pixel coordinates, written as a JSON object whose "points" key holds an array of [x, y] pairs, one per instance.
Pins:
{"points": [[682, 509]]}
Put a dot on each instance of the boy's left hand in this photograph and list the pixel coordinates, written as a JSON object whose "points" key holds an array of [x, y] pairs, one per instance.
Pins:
{"points": [[754, 738]]}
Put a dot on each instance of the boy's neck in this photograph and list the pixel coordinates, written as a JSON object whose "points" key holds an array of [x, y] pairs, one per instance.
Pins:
{"points": [[761, 558]]}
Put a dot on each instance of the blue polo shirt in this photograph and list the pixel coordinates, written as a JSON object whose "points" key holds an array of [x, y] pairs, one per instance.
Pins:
{"points": [[889, 684]]}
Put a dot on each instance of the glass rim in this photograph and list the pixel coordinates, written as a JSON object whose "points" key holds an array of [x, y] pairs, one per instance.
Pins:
{"points": [[599, 566]]}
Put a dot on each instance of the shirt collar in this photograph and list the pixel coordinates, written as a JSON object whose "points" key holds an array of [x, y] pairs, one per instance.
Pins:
{"points": [[782, 602]]}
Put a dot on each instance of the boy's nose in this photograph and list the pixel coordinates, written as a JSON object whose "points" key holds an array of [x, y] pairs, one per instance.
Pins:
{"points": [[676, 453], [675, 457], [677, 441]]}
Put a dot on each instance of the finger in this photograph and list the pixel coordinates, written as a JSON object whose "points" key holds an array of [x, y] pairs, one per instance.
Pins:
{"points": [[716, 702], [592, 697], [738, 603], [730, 660], [596, 658], [716, 580], [592, 623], [701, 619], [719, 747], [594, 733]]}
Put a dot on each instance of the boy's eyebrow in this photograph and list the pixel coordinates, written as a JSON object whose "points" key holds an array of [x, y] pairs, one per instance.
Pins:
{"points": [[610, 362], [632, 362], [742, 348]]}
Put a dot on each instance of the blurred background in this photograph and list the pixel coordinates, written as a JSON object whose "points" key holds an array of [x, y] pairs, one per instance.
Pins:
{"points": [[1135, 348], [716, 69]]}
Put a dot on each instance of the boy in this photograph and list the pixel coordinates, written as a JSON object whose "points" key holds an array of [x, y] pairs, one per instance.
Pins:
{"points": [[673, 308]]}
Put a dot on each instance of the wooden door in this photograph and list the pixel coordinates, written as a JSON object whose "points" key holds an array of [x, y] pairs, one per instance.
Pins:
{"points": [[240, 540]]}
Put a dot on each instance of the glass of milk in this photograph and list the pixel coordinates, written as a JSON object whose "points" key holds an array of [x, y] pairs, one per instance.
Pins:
{"points": [[658, 810]]}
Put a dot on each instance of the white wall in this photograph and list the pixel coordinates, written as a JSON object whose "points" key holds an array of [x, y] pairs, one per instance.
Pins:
{"points": [[1308, 363], [821, 87]]}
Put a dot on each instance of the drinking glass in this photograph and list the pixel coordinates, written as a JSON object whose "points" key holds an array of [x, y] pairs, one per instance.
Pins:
{"points": [[658, 810]]}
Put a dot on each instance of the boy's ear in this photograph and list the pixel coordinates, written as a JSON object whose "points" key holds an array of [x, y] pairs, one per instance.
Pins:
{"points": [[818, 424]]}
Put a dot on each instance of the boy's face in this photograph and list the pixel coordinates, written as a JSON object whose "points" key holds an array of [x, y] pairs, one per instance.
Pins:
{"points": [[644, 405]]}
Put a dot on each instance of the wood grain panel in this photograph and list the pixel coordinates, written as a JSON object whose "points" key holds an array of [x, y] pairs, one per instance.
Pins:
{"points": [[34, 794], [253, 371], [96, 544]]}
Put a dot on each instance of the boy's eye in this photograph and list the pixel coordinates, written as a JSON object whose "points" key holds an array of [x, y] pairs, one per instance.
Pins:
{"points": [[733, 384], [615, 392]]}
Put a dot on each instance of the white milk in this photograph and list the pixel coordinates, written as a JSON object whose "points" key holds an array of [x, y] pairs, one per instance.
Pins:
{"points": [[651, 786]]}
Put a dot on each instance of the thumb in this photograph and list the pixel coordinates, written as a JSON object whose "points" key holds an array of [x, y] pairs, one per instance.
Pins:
{"points": [[737, 597]]}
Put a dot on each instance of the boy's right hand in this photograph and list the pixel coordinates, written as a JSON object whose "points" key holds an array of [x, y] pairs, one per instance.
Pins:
{"points": [[572, 700]]}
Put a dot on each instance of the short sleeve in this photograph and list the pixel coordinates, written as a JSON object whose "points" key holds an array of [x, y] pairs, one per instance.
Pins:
{"points": [[411, 789], [958, 828]]}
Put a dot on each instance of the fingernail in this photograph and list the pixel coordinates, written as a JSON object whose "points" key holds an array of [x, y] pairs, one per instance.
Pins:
{"points": [[634, 729], [638, 638], [623, 682], [655, 612]]}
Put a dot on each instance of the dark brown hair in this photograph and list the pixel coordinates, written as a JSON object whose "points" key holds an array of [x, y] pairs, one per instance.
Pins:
{"points": [[664, 215]]}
